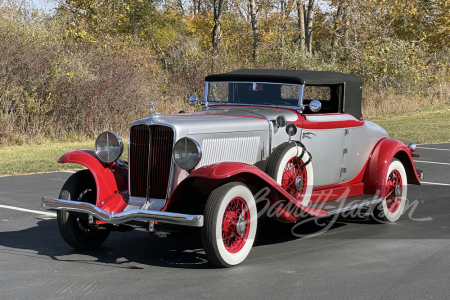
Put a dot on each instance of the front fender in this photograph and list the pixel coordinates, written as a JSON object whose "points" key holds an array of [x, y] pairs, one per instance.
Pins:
{"points": [[236, 171], [109, 180], [376, 172]]}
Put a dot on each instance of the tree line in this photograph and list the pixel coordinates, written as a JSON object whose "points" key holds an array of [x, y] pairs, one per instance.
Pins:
{"points": [[59, 68]]}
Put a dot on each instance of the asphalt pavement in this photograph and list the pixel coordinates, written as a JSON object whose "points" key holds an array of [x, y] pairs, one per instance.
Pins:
{"points": [[353, 259]]}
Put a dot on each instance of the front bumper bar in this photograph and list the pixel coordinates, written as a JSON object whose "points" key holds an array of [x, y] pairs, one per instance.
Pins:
{"points": [[123, 217]]}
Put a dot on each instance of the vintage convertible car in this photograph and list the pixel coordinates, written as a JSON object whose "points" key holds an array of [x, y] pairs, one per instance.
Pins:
{"points": [[288, 144]]}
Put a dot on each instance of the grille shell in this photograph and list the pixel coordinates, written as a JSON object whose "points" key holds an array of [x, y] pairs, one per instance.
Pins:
{"points": [[150, 160]]}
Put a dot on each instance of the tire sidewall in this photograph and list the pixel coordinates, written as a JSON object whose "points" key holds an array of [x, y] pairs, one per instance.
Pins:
{"points": [[243, 192], [394, 216], [68, 225], [296, 152]]}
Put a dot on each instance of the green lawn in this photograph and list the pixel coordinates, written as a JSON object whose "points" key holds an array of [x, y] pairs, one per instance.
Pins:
{"points": [[28, 159], [424, 126]]}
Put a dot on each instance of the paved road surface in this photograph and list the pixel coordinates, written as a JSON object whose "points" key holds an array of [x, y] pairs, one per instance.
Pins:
{"points": [[352, 260]]}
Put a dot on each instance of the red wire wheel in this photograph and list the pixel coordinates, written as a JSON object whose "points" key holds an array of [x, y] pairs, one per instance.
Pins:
{"points": [[235, 225], [294, 177], [392, 201]]}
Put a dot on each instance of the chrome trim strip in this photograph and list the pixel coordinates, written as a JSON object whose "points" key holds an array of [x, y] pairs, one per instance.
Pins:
{"points": [[126, 216], [152, 120], [251, 105], [205, 100], [129, 163], [147, 192], [300, 99]]}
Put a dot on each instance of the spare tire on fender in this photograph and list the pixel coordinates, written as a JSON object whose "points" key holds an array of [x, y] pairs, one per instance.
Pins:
{"points": [[290, 165]]}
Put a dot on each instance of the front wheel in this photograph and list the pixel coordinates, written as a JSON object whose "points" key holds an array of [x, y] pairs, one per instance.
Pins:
{"points": [[230, 224], [392, 206], [76, 230]]}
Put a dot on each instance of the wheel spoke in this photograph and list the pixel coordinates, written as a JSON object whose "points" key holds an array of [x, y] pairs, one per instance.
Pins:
{"points": [[392, 200], [291, 172], [236, 209]]}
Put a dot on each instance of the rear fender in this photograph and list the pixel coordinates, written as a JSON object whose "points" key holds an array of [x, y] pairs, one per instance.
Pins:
{"points": [[204, 180], [376, 172], [109, 179]]}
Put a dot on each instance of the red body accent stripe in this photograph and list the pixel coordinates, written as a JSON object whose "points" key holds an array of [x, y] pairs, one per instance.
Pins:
{"points": [[306, 124]]}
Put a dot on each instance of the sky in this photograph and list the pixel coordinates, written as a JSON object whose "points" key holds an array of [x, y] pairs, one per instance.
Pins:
{"points": [[46, 5]]}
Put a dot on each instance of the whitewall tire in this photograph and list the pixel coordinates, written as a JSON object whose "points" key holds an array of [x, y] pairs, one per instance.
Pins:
{"points": [[393, 205], [230, 224]]}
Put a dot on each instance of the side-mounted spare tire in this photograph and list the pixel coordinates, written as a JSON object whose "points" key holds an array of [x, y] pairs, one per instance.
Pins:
{"points": [[290, 165], [76, 231]]}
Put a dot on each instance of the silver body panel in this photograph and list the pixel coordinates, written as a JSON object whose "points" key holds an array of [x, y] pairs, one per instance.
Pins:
{"points": [[359, 143], [326, 147]]}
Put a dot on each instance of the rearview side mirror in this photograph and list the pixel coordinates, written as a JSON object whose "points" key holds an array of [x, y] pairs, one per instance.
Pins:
{"points": [[193, 100], [315, 105]]}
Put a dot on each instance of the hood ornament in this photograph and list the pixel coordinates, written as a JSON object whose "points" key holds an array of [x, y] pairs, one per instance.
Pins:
{"points": [[153, 109]]}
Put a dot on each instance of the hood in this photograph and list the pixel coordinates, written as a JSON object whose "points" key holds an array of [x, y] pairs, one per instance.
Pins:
{"points": [[220, 119]]}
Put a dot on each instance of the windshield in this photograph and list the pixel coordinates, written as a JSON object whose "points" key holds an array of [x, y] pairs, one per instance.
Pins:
{"points": [[254, 93]]}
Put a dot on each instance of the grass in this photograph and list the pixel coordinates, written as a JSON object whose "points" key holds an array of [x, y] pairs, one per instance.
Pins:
{"points": [[27, 159], [426, 125], [423, 126]]}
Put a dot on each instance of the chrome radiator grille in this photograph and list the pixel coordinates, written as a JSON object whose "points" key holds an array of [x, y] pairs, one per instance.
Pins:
{"points": [[150, 160]]}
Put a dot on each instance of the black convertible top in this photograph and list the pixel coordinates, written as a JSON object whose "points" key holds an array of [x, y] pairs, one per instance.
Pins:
{"points": [[352, 83]]}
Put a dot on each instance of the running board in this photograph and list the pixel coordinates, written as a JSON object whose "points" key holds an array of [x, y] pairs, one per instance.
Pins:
{"points": [[345, 204]]}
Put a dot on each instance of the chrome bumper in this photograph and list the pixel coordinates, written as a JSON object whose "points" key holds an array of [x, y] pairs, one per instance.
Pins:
{"points": [[123, 217]]}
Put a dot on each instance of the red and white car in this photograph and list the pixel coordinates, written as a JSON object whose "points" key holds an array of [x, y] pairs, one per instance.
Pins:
{"points": [[290, 142]]}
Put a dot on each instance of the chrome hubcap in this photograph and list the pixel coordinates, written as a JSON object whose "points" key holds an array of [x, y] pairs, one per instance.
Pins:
{"points": [[398, 191], [240, 226], [299, 183]]}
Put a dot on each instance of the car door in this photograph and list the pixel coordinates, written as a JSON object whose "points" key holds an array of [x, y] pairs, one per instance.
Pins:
{"points": [[325, 140]]}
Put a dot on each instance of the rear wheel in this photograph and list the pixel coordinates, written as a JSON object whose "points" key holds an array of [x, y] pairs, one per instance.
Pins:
{"points": [[392, 206], [76, 231], [230, 224]]}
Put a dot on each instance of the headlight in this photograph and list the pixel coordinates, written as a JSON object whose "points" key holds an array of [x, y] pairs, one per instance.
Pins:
{"points": [[187, 153], [108, 146]]}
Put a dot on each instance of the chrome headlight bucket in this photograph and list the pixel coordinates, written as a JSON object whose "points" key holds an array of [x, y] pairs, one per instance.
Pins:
{"points": [[108, 146], [187, 153]]}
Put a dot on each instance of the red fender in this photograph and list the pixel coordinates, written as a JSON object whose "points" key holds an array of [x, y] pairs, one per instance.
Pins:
{"points": [[107, 180], [376, 172], [223, 171]]}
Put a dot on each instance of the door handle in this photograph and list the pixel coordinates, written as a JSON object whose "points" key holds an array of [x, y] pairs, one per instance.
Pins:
{"points": [[308, 133]]}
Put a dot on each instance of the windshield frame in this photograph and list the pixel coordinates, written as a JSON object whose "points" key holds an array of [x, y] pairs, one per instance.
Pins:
{"points": [[298, 108]]}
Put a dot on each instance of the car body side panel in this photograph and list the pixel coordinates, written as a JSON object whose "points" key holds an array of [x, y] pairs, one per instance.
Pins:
{"points": [[326, 147], [359, 143]]}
